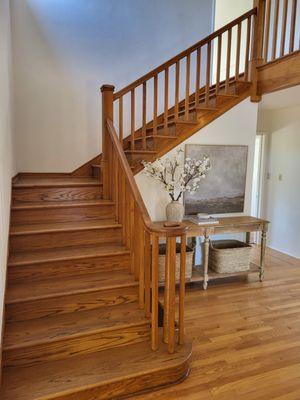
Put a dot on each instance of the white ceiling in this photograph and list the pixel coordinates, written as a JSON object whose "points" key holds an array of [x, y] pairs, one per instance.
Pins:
{"points": [[281, 99]]}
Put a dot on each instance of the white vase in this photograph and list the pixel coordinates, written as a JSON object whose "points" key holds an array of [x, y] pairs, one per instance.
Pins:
{"points": [[175, 211]]}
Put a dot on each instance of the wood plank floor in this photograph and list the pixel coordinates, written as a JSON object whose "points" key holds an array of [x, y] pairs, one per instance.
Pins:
{"points": [[246, 337]]}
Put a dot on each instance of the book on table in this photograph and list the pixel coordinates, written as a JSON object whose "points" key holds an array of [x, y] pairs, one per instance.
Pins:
{"points": [[204, 221]]}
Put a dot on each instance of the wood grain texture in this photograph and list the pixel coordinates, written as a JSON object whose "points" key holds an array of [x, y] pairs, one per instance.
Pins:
{"points": [[279, 74], [63, 211], [245, 337], [109, 374]]}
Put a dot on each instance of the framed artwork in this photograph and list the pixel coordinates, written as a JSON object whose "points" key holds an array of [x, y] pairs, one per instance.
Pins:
{"points": [[223, 189]]}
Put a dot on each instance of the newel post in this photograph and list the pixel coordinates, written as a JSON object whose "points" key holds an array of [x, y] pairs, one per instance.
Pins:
{"points": [[257, 47], [107, 112]]}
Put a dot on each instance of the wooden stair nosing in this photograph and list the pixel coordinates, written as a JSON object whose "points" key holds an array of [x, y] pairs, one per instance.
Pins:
{"points": [[55, 183], [57, 327], [61, 204], [64, 291], [57, 255], [36, 229]]}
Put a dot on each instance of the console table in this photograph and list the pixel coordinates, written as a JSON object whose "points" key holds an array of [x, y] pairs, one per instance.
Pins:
{"points": [[242, 224]]}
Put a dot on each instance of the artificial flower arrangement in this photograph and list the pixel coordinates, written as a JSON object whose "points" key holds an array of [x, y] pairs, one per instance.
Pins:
{"points": [[177, 176]]}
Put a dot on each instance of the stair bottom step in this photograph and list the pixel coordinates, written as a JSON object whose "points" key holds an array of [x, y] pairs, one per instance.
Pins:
{"points": [[103, 375]]}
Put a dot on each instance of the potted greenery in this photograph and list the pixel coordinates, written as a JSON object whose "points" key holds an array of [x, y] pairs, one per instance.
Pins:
{"points": [[177, 176]]}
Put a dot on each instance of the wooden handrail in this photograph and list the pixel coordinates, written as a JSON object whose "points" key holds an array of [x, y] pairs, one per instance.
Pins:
{"points": [[141, 236], [183, 54], [129, 175]]}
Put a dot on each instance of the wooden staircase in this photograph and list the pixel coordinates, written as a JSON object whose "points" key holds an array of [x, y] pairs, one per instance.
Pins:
{"points": [[83, 316], [73, 326]]}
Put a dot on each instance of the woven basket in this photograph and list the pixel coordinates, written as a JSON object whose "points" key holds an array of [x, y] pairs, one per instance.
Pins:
{"points": [[228, 256], [188, 267]]}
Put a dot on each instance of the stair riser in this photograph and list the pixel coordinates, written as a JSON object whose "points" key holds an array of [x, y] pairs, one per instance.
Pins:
{"points": [[53, 269], [65, 238], [26, 195], [22, 311], [69, 347], [130, 386], [63, 214]]}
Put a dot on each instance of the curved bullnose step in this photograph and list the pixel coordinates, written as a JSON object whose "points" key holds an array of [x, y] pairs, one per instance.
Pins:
{"points": [[108, 374]]}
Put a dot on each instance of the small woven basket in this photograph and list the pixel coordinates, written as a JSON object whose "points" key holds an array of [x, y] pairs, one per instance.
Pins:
{"points": [[188, 267], [229, 256]]}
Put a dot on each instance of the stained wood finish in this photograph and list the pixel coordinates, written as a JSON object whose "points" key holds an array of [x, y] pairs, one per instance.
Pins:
{"points": [[279, 74], [249, 349], [109, 374]]}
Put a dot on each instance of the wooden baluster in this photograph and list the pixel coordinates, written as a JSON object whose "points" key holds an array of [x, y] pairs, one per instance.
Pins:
{"points": [[208, 64], [198, 71], [238, 52], [154, 303], [107, 112], [144, 117], [123, 206], [132, 119], [247, 52], [121, 119], [155, 105], [147, 262], [275, 29], [177, 77], [169, 306], [132, 235], [219, 55], [116, 172], [127, 215], [136, 247], [187, 87], [182, 289], [267, 30], [293, 25], [141, 265], [166, 104], [283, 28], [228, 60]]}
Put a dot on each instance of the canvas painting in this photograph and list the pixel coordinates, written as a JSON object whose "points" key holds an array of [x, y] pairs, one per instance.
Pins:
{"points": [[223, 189]]}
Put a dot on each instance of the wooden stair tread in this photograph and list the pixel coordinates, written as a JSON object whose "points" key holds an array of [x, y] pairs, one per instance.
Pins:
{"points": [[90, 371], [55, 182], [65, 253], [48, 288], [21, 334], [48, 227], [141, 151], [153, 137], [61, 204]]}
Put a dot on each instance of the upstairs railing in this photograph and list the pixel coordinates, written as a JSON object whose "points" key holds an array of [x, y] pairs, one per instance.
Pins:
{"points": [[170, 88], [280, 34]]}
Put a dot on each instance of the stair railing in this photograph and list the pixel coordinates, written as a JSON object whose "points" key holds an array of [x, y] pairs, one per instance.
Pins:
{"points": [[278, 35], [185, 81], [142, 237]]}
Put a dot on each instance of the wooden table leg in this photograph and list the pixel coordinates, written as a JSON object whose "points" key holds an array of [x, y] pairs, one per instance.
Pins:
{"points": [[205, 261], [248, 237], [262, 255]]}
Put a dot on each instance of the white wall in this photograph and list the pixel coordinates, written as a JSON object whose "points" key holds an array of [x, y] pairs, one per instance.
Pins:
{"points": [[7, 167], [236, 127], [281, 194], [63, 51], [225, 12]]}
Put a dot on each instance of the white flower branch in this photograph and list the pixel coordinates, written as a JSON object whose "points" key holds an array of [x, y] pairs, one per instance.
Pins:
{"points": [[176, 180]]}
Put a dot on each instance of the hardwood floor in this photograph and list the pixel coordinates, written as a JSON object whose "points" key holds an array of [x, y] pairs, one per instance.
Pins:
{"points": [[246, 337]]}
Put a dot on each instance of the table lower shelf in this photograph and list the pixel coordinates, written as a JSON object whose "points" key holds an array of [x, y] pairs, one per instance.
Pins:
{"points": [[197, 275]]}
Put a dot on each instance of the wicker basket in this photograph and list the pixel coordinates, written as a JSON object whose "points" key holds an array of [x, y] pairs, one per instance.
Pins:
{"points": [[188, 267], [229, 256]]}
